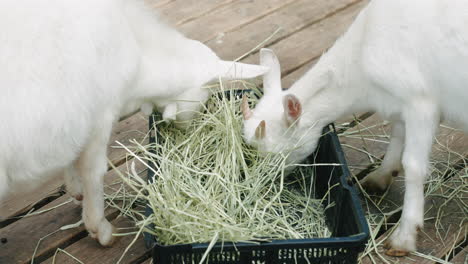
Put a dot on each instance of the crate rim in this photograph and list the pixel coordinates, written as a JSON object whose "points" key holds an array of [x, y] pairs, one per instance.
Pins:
{"points": [[331, 242]]}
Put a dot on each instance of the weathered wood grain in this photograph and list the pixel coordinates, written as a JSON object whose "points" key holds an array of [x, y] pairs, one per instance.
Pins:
{"points": [[179, 12], [230, 17], [88, 251], [291, 18], [308, 44]]}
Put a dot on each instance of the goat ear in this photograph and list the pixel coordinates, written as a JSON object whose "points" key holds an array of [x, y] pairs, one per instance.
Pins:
{"points": [[229, 70], [292, 109], [272, 79]]}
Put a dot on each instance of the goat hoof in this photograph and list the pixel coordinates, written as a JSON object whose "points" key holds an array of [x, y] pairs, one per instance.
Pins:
{"points": [[396, 252], [377, 181], [401, 242], [373, 186], [105, 236], [390, 251]]}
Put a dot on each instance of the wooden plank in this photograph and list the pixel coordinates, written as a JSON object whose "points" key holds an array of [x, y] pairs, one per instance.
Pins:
{"points": [[230, 17], [24, 234], [308, 44], [88, 251], [291, 18], [182, 11], [461, 257], [131, 128]]}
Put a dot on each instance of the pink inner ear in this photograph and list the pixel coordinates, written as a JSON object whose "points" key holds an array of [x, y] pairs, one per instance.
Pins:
{"points": [[294, 107]]}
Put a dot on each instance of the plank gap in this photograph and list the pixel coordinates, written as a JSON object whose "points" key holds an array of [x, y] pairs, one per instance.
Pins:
{"points": [[34, 207], [204, 13], [250, 21], [314, 22], [237, 27], [50, 253], [461, 257], [458, 248]]}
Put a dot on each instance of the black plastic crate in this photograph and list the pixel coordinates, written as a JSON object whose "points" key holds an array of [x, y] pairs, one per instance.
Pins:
{"points": [[345, 220]]}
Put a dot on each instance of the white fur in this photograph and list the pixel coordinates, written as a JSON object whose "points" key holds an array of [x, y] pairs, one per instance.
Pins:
{"points": [[406, 60], [70, 69]]}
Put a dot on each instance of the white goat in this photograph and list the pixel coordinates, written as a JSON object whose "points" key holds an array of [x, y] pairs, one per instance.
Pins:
{"points": [[405, 59], [70, 69]]}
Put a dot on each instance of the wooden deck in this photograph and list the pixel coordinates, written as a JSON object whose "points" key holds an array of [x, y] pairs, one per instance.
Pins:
{"points": [[232, 28]]}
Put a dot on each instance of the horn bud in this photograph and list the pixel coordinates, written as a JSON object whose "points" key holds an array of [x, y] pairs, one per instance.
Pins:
{"points": [[260, 131], [245, 109]]}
